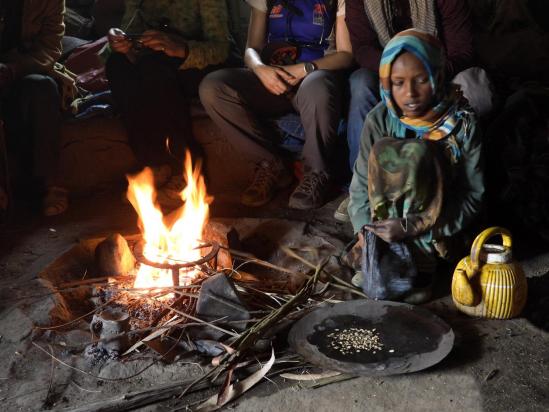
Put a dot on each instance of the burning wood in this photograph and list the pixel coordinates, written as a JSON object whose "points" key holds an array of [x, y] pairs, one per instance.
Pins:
{"points": [[171, 242]]}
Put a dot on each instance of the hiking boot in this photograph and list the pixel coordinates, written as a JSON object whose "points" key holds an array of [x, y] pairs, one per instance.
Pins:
{"points": [[341, 214], [311, 191], [268, 178]]}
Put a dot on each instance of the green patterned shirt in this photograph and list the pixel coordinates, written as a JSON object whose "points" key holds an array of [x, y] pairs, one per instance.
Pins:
{"points": [[202, 23]]}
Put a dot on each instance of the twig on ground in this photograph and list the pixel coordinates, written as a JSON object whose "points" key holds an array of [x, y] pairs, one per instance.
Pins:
{"points": [[74, 320], [83, 389], [200, 320]]}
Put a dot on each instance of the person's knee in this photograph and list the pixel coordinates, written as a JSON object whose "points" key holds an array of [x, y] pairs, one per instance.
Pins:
{"points": [[39, 87], [116, 65], [157, 66], [363, 82], [213, 87], [476, 88], [319, 89], [209, 88]]}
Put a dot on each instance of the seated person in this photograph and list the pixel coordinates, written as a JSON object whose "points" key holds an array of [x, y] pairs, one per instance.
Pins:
{"points": [[155, 69], [371, 26], [418, 178], [30, 43], [305, 46]]}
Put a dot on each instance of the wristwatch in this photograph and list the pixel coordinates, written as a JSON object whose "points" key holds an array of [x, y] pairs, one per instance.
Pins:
{"points": [[309, 67]]}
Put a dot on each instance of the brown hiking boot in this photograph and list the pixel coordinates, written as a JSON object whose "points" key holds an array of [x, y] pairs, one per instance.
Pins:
{"points": [[311, 191], [268, 178]]}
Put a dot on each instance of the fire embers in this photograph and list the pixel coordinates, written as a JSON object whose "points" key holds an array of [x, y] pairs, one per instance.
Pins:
{"points": [[355, 340]]}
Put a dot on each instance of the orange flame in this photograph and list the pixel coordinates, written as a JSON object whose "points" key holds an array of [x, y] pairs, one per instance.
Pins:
{"points": [[169, 243]]}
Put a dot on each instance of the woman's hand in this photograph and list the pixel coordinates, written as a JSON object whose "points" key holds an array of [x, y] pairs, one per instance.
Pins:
{"points": [[118, 41], [297, 71], [169, 44], [275, 79], [390, 230]]}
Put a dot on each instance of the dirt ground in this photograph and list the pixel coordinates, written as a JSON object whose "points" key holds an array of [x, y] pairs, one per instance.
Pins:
{"points": [[494, 365]]}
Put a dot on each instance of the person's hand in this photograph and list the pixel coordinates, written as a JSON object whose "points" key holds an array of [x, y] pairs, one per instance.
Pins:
{"points": [[169, 44], [274, 78], [390, 230], [118, 41], [297, 71]]}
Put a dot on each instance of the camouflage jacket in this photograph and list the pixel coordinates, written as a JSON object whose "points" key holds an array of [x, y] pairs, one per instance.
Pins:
{"points": [[202, 23]]}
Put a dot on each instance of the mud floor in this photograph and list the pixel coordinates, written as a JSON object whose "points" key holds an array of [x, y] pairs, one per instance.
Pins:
{"points": [[494, 366]]}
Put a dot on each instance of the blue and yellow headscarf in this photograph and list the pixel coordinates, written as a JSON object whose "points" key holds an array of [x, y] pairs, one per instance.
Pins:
{"points": [[443, 117]]}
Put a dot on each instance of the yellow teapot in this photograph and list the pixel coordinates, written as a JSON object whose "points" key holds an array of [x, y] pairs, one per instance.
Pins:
{"points": [[488, 283]]}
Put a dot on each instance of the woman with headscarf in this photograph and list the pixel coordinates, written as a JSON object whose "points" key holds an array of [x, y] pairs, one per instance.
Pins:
{"points": [[418, 178]]}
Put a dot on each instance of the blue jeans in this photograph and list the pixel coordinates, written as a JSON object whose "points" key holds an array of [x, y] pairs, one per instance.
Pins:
{"points": [[364, 86]]}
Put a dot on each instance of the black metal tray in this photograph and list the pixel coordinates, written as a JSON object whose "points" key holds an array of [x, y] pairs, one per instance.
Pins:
{"points": [[413, 338]]}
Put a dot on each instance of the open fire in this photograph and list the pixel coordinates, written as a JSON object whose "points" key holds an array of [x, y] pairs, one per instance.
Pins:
{"points": [[174, 239]]}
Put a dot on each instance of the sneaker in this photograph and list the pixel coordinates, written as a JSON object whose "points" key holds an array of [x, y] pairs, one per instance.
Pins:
{"points": [[358, 279], [311, 191], [341, 214], [268, 178], [56, 201]]}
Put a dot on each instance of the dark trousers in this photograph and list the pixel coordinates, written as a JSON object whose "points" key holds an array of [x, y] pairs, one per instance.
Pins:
{"points": [[32, 114], [153, 97], [239, 104]]}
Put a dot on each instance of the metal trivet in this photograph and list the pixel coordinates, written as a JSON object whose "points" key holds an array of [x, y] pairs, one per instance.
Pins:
{"points": [[176, 266]]}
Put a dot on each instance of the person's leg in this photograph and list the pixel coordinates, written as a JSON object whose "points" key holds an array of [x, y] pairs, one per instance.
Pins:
{"points": [[189, 81], [123, 82], [39, 106], [166, 109], [477, 89], [364, 86], [318, 101], [40, 110], [238, 103], [153, 107]]}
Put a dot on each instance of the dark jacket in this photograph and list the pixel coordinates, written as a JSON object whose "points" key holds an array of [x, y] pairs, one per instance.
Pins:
{"points": [[454, 28]]}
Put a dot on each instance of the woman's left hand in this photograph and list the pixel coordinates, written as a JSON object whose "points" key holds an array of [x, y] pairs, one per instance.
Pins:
{"points": [[296, 70], [390, 230], [169, 44]]}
